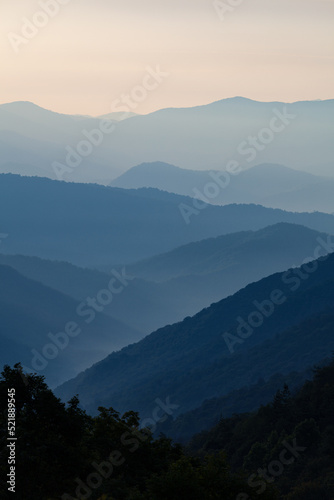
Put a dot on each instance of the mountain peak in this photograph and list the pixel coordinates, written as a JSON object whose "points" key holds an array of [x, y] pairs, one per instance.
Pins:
{"points": [[28, 109]]}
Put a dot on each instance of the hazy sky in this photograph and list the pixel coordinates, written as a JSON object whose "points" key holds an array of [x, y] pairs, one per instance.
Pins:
{"points": [[91, 52]]}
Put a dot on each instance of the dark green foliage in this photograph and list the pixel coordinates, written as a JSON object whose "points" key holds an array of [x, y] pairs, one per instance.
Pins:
{"points": [[243, 400], [61, 452], [253, 441], [51, 438]]}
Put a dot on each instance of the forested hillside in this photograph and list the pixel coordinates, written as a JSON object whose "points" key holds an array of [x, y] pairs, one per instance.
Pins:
{"points": [[284, 450]]}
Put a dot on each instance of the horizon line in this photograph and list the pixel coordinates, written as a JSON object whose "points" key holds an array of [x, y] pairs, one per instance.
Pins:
{"points": [[166, 108]]}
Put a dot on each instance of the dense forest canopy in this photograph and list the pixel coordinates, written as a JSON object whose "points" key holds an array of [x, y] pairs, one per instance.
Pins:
{"points": [[284, 450]]}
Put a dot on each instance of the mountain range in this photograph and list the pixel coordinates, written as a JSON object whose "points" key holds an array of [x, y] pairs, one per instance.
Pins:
{"points": [[97, 226], [280, 324], [203, 137], [269, 185], [35, 320], [168, 287], [128, 280]]}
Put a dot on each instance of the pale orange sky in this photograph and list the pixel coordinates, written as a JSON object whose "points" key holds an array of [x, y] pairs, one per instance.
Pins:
{"points": [[93, 51]]}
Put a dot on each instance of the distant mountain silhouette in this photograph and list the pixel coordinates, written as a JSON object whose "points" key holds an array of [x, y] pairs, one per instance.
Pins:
{"points": [[92, 225], [33, 138], [180, 136], [270, 185], [118, 115]]}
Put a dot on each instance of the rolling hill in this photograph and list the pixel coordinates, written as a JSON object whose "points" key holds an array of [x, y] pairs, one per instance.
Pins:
{"points": [[168, 287], [269, 185], [268, 327], [30, 312], [92, 225], [177, 136], [280, 246]]}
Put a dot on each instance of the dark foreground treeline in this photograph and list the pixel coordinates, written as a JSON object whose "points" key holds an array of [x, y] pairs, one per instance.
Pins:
{"points": [[283, 451]]}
